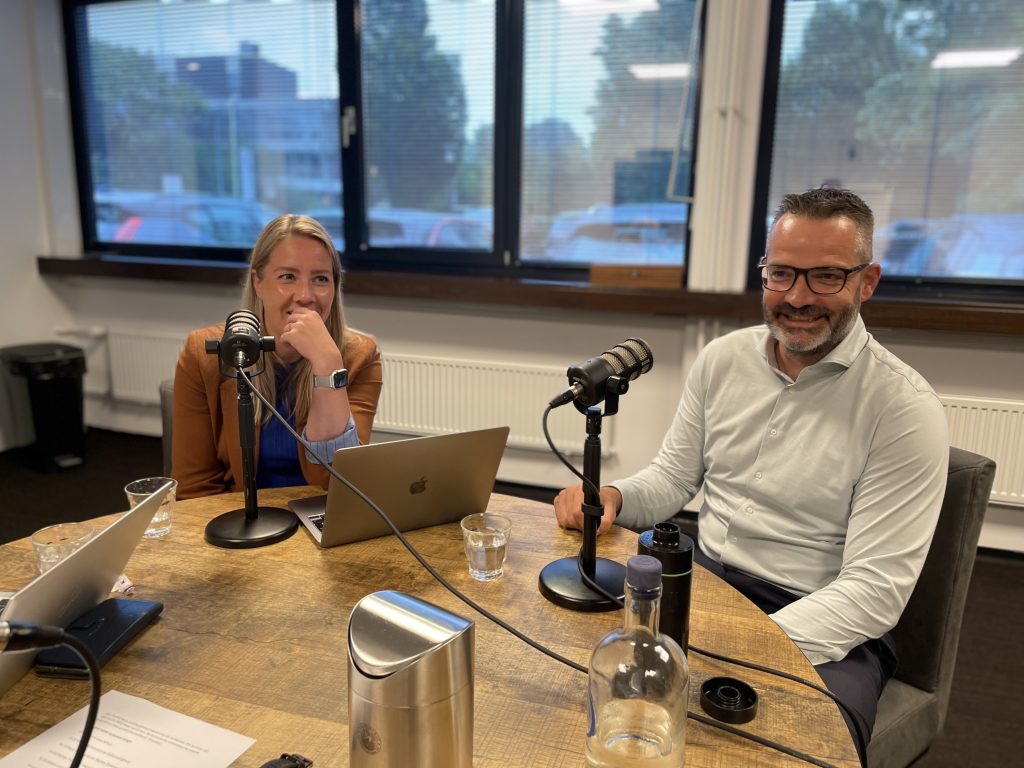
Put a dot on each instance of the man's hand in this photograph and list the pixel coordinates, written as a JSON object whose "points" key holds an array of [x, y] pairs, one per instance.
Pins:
{"points": [[569, 507]]}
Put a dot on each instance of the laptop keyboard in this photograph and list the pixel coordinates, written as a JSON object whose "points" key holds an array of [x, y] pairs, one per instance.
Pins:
{"points": [[318, 521]]}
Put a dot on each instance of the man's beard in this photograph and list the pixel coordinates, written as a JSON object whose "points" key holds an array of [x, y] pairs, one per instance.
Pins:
{"points": [[818, 342]]}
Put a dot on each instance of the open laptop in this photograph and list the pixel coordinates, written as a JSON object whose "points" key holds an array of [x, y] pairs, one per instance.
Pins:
{"points": [[418, 482], [77, 583]]}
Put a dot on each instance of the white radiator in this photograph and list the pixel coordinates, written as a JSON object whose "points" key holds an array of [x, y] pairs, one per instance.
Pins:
{"points": [[427, 395], [139, 362], [993, 428]]}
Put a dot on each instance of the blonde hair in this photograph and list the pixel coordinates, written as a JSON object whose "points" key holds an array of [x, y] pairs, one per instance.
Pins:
{"points": [[299, 380]]}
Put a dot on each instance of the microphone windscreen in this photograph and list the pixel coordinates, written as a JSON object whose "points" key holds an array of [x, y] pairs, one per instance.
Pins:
{"points": [[632, 355]]}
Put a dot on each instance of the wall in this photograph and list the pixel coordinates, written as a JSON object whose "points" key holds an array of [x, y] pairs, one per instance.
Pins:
{"points": [[37, 215]]}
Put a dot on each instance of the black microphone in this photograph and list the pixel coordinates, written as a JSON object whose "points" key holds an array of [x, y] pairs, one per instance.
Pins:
{"points": [[241, 344], [22, 636], [589, 380]]}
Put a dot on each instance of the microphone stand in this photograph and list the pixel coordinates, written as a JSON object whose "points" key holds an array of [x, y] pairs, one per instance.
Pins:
{"points": [[253, 525], [560, 581]]}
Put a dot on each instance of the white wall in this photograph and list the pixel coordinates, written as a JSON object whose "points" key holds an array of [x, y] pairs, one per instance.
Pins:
{"points": [[38, 216]]}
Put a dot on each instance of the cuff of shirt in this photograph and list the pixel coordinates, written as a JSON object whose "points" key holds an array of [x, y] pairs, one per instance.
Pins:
{"points": [[326, 448]]}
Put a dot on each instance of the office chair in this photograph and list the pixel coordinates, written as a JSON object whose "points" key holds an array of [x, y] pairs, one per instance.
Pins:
{"points": [[912, 709], [166, 416]]}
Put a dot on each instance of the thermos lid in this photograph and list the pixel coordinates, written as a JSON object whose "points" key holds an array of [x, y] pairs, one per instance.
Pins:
{"points": [[407, 647], [669, 545]]}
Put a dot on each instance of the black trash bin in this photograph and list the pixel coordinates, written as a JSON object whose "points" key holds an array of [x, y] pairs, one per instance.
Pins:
{"points": [[54, 373]]}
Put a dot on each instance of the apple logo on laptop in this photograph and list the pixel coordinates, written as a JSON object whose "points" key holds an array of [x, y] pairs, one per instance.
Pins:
{"points": [[419, 486]]}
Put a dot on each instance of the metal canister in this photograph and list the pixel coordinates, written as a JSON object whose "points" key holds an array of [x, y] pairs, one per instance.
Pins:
{"points": [[410, 684]]}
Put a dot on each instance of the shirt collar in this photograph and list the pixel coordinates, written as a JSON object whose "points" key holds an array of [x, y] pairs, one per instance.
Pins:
{"points": [[843, 355]]}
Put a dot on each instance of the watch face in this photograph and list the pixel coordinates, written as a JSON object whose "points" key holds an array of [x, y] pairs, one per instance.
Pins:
{"points": [[339, 379]]}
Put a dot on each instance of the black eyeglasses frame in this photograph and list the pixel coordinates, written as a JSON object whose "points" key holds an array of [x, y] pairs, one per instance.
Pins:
{"points": [[797, 271]]}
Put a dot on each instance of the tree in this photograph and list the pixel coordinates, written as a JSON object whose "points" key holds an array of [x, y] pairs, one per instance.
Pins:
{"points": [[414, 107], [860, 104], [139, 120]]}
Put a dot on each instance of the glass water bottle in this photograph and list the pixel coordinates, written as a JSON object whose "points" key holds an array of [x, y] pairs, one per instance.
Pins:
{"points": [[639, 683]]}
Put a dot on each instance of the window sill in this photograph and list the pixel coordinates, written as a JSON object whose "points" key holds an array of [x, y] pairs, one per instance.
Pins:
{"points": [[931, 314]]}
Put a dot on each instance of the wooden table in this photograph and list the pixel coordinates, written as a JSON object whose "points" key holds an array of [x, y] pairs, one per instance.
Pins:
{"points": [[254, 640]]}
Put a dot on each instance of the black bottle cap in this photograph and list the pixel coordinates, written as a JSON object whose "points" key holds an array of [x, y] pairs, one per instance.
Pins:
{"points": [[728, 700]]}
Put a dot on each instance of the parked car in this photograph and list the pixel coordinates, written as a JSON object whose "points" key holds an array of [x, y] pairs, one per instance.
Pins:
{"points": [[630, 233], [974, 245], [183, 219]]}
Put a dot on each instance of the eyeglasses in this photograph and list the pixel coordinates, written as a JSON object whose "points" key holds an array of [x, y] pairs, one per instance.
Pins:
{"points": [[822, 280]]}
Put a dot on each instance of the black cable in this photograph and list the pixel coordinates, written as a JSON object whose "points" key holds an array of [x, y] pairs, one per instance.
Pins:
{"points": [[94, 694], [558, 455], [405, 542]]}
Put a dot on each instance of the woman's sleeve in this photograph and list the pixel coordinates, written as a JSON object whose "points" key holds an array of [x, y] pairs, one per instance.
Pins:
{"points": [[364, 389], [194, 462]]}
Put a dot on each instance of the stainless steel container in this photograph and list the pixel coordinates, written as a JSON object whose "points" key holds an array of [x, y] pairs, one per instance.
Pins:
{"points": [[410, 684]]}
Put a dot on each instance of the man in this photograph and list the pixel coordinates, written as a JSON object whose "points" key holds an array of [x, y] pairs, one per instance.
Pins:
{"points": [[823, 456]]}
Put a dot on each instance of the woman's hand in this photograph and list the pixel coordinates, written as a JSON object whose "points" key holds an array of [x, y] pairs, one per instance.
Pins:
{"points": [[306, 333]]}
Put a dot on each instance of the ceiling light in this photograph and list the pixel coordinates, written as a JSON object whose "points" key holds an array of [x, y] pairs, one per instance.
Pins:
{"points": [[675, 70], [996, 57]]}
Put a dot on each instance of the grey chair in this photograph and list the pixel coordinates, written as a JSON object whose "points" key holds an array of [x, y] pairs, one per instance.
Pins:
{"points": [[913, 706], [166, 415]]}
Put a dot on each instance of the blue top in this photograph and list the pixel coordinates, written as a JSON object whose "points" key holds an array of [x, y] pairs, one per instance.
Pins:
{"points": [[279, 458], [279, 465]]}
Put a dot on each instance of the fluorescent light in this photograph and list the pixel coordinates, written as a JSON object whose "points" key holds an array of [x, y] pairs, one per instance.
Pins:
{"points": [[675, 70], [995, 57], [610, 6]]}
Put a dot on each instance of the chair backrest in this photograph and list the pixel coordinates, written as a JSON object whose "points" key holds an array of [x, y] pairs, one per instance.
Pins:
{"points": [[928, 633], [166, 416]]}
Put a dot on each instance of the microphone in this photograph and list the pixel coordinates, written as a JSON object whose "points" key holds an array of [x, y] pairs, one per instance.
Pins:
{"points": [[22, 636], [241, 344], [589, 380]]}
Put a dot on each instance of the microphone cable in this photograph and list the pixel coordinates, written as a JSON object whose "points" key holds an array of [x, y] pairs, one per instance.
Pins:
{"points": [[597, 588], [405, 542], [25, 636]]}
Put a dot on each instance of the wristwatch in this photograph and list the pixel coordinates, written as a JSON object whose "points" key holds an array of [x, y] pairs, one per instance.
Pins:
{"points": [[335, 380]]}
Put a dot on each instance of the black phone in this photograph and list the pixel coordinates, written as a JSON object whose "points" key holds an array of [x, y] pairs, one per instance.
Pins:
{"points": [[104, 629]]}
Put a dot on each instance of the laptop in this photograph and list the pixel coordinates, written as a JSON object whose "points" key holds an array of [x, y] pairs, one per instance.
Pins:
{"points": [[77, 583], [418, 482]]}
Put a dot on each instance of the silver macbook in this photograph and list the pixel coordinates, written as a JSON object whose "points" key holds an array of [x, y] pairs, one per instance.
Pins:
{"points": [[418, 482], [77, 583]]}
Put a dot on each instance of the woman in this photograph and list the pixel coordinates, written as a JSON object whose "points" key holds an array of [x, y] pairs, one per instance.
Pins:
{"points": [[294, 287]]}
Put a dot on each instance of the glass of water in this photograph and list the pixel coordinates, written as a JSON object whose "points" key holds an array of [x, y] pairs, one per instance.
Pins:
{"points": [[55, 542], [485, 538], [138, 491]]}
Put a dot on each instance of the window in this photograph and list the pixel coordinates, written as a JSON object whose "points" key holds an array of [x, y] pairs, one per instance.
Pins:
{"points": [[198, 123], [919, 108], [467, 133], [605, 88]]}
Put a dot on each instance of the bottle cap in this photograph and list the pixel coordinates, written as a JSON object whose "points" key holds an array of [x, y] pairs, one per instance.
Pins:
{"points": [[643, 572], [728, 700]]}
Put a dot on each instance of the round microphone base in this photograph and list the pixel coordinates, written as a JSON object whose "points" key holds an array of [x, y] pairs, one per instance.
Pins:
{"points": [[561, 583], [233, 530]]}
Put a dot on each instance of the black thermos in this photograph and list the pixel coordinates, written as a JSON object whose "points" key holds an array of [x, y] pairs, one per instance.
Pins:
{"points": [[675, 551]]}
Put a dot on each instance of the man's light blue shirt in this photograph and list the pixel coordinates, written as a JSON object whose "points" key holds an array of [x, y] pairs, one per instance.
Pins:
{"points": [[828, 486]]}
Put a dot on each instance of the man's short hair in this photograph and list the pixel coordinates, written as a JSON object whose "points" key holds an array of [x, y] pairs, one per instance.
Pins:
{"points": [[828, 202]]}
